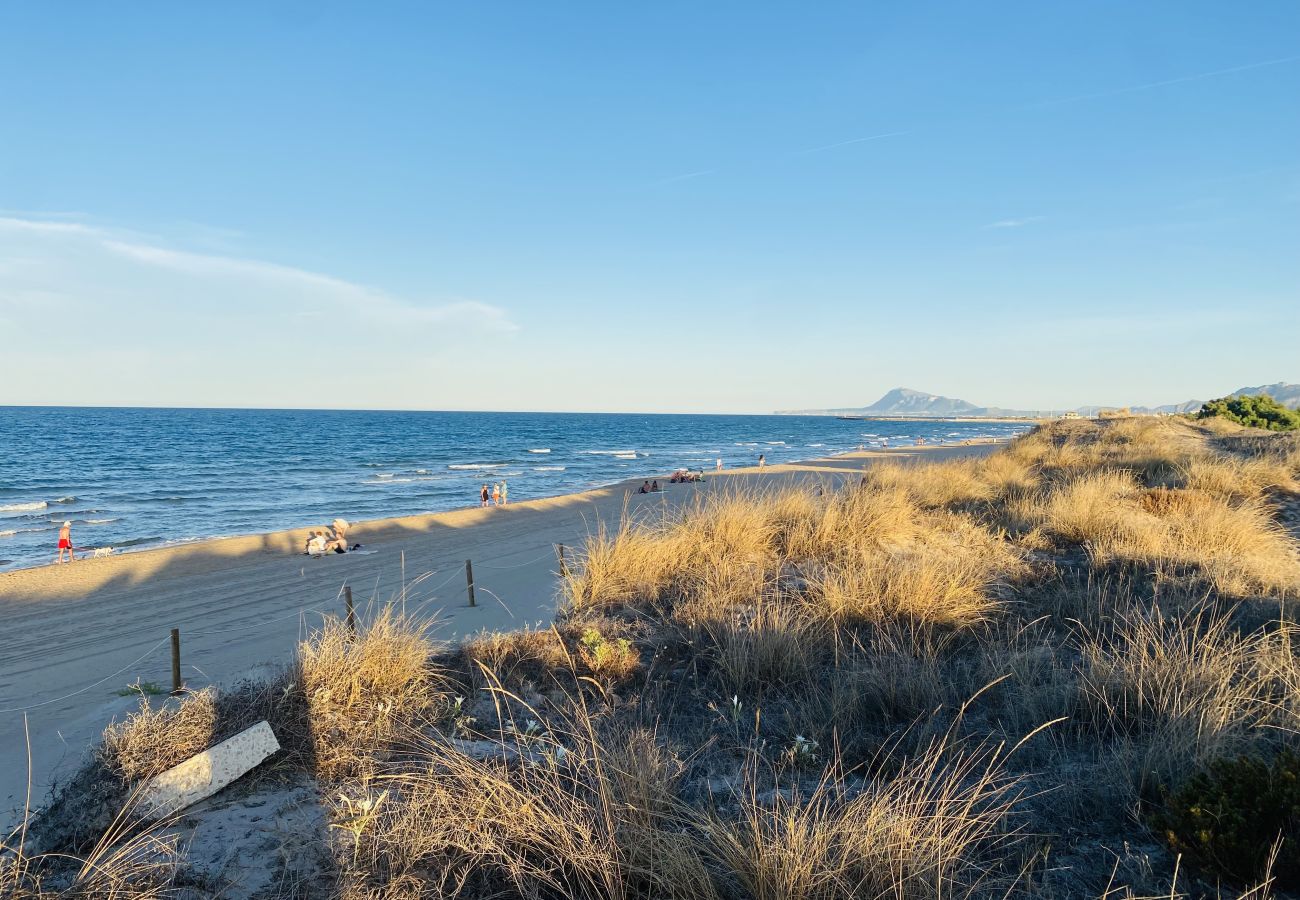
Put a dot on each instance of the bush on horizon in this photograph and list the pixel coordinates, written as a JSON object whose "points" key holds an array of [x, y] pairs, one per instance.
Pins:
{"points": [[1259, 411]]}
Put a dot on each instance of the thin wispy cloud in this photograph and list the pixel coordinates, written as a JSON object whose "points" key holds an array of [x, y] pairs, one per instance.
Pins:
{"points": [[294, 285], [172, 324], [1015, 223]]}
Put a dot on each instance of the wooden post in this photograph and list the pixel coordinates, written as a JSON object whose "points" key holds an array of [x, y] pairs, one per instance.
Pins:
{"points": [[177, 686], [469, 581], [564, 566], [352, 616]]}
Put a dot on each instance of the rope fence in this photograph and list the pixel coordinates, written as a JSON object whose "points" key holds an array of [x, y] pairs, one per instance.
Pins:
{"points": [[88, 687], [173, 637]]}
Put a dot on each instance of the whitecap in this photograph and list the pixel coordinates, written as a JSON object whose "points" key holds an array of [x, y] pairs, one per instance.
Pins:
{"points": [[24, 507], [620, 453], [541, 450], [548, 468], [460, 466]]}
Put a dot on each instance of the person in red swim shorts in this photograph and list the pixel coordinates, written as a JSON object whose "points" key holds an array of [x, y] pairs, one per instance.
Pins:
{"points": [[65, 542]]}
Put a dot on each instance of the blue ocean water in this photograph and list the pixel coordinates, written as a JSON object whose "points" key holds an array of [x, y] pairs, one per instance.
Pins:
{"points": [[135, 478]]}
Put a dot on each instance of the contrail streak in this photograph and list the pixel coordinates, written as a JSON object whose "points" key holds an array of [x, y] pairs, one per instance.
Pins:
{"points": [[861, 140], [1168, 81], [1080, 98]]}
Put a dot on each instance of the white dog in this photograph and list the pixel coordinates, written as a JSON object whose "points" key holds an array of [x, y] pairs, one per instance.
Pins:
{"points": [[102, 551]]}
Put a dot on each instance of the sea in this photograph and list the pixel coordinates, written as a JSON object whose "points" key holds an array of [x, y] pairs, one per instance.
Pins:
{"points": [[138, 478]]}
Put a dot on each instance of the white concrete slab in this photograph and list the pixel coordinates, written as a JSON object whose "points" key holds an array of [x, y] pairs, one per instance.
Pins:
{"points": [[203, 775]]}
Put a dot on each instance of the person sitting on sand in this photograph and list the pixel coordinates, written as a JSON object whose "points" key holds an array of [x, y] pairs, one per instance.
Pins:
{"points": [[338, 541], [654, 488], [645, 488], [65, 542], [316, 544]]}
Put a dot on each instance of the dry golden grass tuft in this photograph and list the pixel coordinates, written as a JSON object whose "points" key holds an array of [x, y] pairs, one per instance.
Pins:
{"points": [[153, 740], [1166, 695], [126, 863], [515, 656], [559, 817], [944, 577], [362, 691], [1231, 539], [926, 832], [768, 646]]}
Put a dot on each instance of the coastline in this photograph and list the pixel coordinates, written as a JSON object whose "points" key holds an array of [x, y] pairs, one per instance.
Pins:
{"points": [[77, 634], [290, 540]]}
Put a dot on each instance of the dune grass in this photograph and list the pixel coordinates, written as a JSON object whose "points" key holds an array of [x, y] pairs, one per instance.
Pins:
{"points": [[979, 678]]}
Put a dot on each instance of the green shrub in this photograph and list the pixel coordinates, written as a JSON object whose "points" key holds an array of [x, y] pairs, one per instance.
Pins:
{"points": [[1259, 411], [1228, 817]]}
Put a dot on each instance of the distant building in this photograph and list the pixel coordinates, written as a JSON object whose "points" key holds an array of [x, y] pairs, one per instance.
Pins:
{"points": [[1070, 415]]}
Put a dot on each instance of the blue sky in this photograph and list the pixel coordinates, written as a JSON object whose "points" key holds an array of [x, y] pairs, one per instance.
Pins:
{"points": [[661, 207]]}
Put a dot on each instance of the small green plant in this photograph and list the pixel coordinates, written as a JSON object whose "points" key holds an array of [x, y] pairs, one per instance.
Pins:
{"points": [[529, 734], [146, 688], [802, 752], [462, 723], [1229, 817], [616, 659], [360, 813], [1258, 411]]}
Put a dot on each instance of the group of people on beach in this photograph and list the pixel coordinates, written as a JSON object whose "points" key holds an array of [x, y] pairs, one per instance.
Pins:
{"points": [[334, 539], [499, 495]]}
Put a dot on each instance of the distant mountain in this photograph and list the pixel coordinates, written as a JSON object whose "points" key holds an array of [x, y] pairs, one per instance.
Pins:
{"points": [[901, 402], [907, 402], [1282, 392], [1286, 394]]}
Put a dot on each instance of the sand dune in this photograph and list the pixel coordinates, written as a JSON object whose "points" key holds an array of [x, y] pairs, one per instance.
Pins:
{"points": [[74, 635]]}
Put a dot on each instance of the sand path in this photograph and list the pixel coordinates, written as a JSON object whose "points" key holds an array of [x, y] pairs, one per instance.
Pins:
{"points": [[73, 636]]}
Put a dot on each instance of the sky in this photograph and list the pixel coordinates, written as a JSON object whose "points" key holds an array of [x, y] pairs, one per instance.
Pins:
{"points": [[668, 207]]}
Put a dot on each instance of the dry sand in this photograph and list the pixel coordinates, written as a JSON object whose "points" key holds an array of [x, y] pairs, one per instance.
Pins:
{"points": [[72, 636]]}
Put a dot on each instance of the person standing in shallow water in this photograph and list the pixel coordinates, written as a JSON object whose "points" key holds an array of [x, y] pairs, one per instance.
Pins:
{"points": [[65, 542], [496, 493], [483, 496], [505, 493]]}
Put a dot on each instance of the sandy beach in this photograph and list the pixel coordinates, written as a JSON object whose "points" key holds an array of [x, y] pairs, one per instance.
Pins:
{"points": [[74, 636]]}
